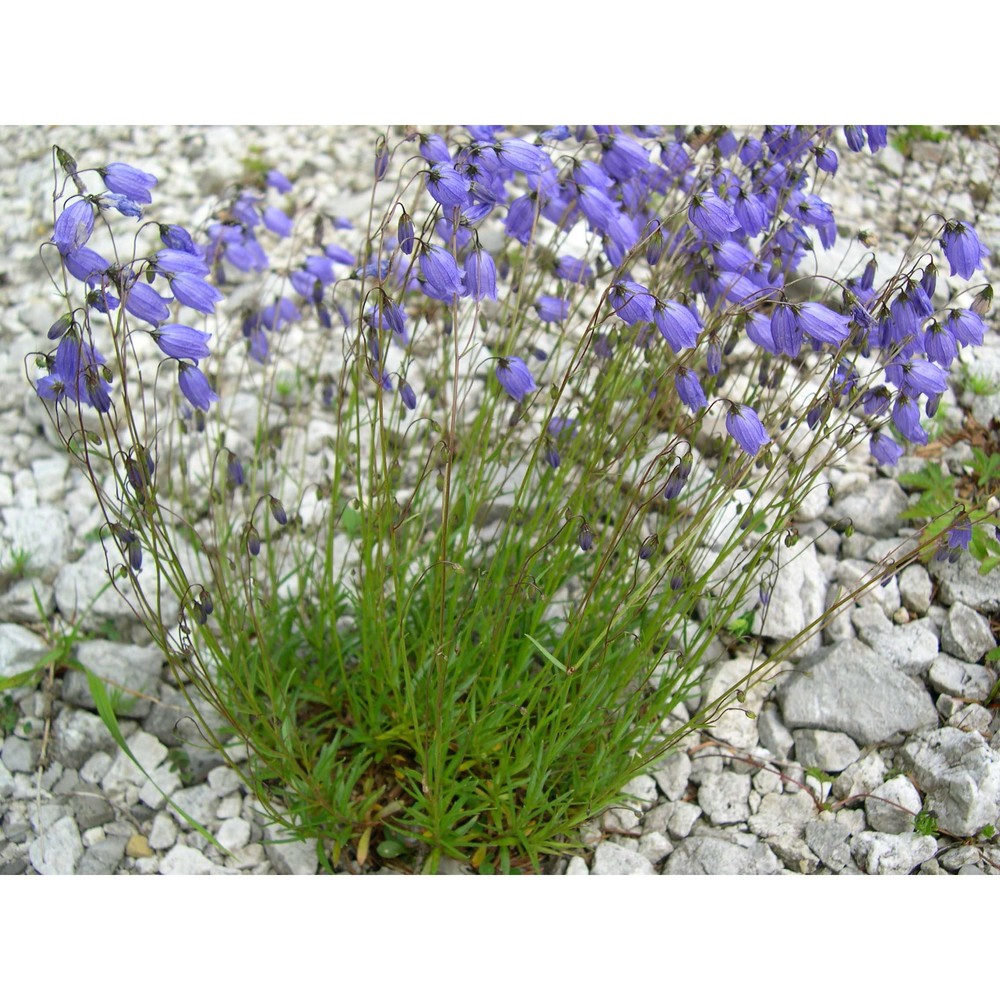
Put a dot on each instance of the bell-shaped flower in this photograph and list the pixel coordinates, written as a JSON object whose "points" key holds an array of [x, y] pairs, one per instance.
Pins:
{"points": [[821, 323], [712, 217], [631, 301], [195, 387], [678, 325], [129, 181], [178, 238], [689, 389], [884, 450], [194, 292], [962, 248], [182, 342], [573, 269], [74, 226], [480, 275], [277, 180], [143, 302], [966, 326], [447, 186], [277, 221], [745, 428], [906, 417], [515, 378], [552, 309], [405, 234], [442, 275], [85, 264]]}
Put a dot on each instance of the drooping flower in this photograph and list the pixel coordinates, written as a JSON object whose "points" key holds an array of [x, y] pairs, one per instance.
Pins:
{"points": [[277, 221], [74, 226], [745, 428], [195, 387], [631, 301], [129, 181], [689, 389], [515, 378], [884, 450], [712, 217], [551, 308], [573, 269], [182, 342], [277, 180], [442, 275], [966, 326], [405, 233], [962, 248], [178, 238], [194, 292], [906, 417], [678, 324], [821, 323], [143, 302], [447, 186], [480, 275], [407, 395]]}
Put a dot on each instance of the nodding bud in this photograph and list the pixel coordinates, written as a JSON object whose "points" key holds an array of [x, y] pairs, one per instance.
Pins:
{"points": [[61, 327], [585, 538], [234, 471], [405, 234], [253, 541], [135, 555], [982, 302], [203, 608], [277, 511], [648, 545], [381, 158]]}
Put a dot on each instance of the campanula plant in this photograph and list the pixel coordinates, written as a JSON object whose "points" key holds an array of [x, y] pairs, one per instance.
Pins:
{"points": [[442, 508]]}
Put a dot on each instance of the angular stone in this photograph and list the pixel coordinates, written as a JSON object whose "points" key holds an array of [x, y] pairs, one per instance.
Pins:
{"points": [[42, 532], [297, 857], [910, 648], [164, 832], [828, 840], [891, 853], [641, 791], [783, 815], [198, 801], [58, 849], [860, 778], [734, 726], [774, 734], [20, 650], [971, 718], [723, 797], [830, 752], [966, 634], [611, 859], [852, 690], [654, 846], [794, 854], [874, 509], [961, 582], [78, 735], [183, 860], [892, 806], [798, 598], [967, 681], [672, 774], [577, 866], [147, 750], [713, 856], [854, 574], [915, 589], [128, 671], [960, 775], [20, 755], [29, 601], [234, 834], [103, 858], [91, 807]]}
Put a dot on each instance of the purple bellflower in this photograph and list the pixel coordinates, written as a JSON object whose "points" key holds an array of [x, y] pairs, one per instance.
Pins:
{"points": [[74, 226], [513, 374], [195, 387], [182, 342], [962, 248], [552, 309], [689, 389], [678, 324], [745, 428], [129, 181]]}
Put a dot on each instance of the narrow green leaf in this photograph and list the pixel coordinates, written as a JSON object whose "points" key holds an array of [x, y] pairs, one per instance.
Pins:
{"points": [[548, 656], [22, 679], [102, 701]]}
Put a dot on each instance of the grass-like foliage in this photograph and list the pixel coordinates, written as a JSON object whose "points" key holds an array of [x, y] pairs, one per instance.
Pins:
{"points": [[455, 500]]}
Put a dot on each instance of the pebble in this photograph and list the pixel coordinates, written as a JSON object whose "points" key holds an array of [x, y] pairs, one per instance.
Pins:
{"points": [[612, 859]]}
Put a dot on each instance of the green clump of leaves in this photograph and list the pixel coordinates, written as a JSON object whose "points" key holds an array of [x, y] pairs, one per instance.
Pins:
{"points": [[925, 824], [903, 139], [943, 500]]}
